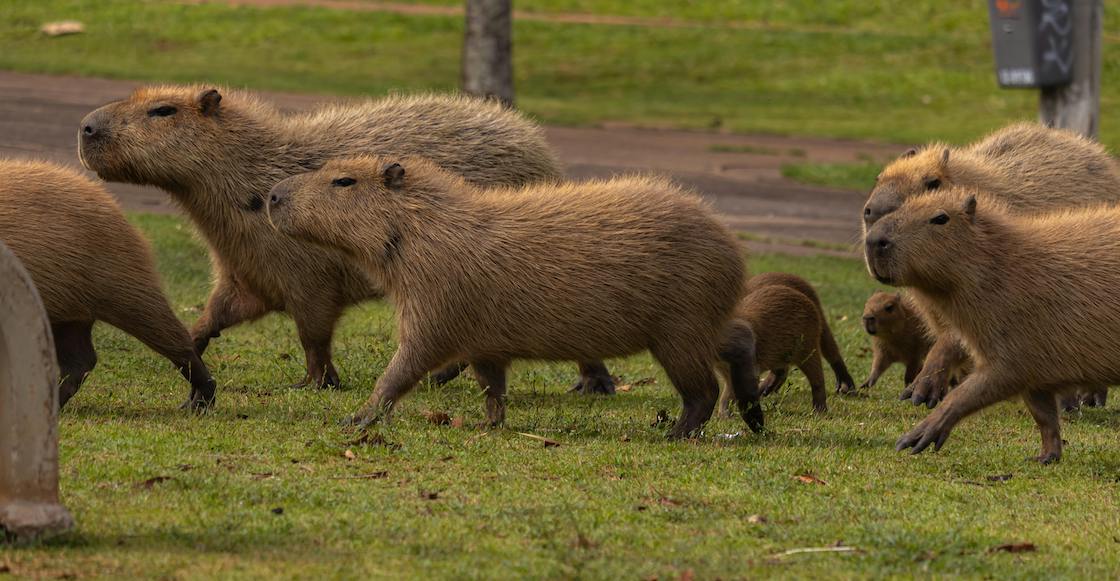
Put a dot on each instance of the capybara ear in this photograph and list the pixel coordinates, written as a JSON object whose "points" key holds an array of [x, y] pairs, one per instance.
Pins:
{"points": [[970, 206], [945, 159], [394, 176], [908, 153], [208, 101]]}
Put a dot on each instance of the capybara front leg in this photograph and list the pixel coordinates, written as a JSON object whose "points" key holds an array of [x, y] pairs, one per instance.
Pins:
{"points": [[1043, 406], [491, 377], [229, 304], [316, 332], [405, 369], [879, 366], [594, 379], [932, 383], [73, 345], [974, 393], [449, 372], [774, 381], [1096, 397], [737, 352]]}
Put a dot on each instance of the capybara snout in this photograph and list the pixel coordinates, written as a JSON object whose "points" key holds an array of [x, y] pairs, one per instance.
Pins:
{"points": [[869, 325]]}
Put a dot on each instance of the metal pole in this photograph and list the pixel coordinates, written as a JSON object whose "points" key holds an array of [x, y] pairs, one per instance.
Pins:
{"points": [[1075, 106], [29, 505], [487, 50]]}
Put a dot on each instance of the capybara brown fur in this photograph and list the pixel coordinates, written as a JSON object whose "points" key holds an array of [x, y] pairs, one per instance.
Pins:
{"points": [[898, 335], [488, 276], [787, 328], [218, 154], [1030, 296], [89, 264], [829, 349], [1029, 167]]}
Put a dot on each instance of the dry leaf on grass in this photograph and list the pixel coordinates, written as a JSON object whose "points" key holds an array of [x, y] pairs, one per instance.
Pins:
{"points": [[371, 476], [438, 418], [547, 442], [349, 454], [62, 28], [457, 422], [1014, 548], [261, 475], [809, 479], [757, 519], [149, 483]]}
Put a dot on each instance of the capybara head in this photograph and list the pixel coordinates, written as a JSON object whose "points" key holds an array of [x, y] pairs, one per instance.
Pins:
{"points": [[918, 244], [913, 173], [158, 135], [884, 313]]}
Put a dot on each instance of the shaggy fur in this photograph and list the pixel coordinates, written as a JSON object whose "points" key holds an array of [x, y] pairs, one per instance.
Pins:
{"points": [[218, 154], [1018, 289], [488, 276], [897, 336], [1030, 167], [787, 327], [90, 265]]}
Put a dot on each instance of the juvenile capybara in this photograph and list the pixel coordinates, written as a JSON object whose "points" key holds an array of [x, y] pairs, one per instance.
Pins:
{"points": [[218, 154], [829, 349], [488, 276], [1029, 167], [1032, 298], [787, 328], [897, 336], [89, 264]]}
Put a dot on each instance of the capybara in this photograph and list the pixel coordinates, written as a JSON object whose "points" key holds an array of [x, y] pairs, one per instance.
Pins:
{"points": [[787, 328], [829, 349], [89, 264], [488, 276], [1029, 167], [897, 336], [219, 153], [1031, 297]]}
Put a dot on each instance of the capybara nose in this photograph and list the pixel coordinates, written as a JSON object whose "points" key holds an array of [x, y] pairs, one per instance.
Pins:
{"points": [[869, 325], [878, 244], [93, 127], [279, 195]]}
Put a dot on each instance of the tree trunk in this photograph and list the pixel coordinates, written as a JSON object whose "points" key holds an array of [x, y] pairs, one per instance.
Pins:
{"points": [[487, 50]]}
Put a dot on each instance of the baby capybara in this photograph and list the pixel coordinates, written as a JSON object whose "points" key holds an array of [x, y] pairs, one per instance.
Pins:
{"points": [[786, 327], [488, 276], [89, 264], [1032, 298], [217, 153], [897, 336]]}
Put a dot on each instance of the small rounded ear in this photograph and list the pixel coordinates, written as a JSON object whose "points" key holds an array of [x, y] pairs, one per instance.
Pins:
{"points": [[908, 153], [945, 158], [208, 101], [898, 296], [394, 176], [969, 206]]}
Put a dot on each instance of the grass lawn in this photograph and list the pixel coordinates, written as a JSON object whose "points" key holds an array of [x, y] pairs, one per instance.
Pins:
{"points": [[158, 493], [899, 71]]}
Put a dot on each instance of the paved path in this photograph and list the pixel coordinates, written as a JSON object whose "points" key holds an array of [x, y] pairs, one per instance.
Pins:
{"points": [[39, 117]]}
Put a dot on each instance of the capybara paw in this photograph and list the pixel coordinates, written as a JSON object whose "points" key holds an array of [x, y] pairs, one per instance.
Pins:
{"points": [[681, 431], [928, 431], [200, 399], [847, 386], [594, 385], [306, 381], [1096, 399], [330, 381], [1070, 403], [1046, 458], [360, 420], [753, 416], [820, 408], [928, 392]]}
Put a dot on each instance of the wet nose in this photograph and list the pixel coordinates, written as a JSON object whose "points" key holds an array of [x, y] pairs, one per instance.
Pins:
{"points": [[93, 127], [869, 324], [279, 195], [878, 244]]}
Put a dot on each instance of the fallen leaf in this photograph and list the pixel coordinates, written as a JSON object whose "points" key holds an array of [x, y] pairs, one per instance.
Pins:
{"points": [[757, 519], [349, 454], [438, 418], [999, 477], [666, 501], [278, 510], [370, 476], [457, 422], [809, 479], [686, 575], [62, 28], [447, 459], [1014, 548], [260, 475], [625, 387], [149, 483], [547, 442]]}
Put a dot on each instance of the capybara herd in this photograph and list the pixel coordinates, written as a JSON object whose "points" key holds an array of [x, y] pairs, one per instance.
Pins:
{"points": [[456, 210]]}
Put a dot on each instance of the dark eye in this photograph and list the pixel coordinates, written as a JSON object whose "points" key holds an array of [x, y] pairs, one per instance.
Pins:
{"points": [[344, 182], [940, 219], [867, 211], [163, 111], [933, 184], [889, 309]]}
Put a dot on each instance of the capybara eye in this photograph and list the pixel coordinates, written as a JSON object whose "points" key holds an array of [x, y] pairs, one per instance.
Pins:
{"points": [[163, 111], [933, 184], [889, 309], [344, 182], [940, 219], [867, 211]]}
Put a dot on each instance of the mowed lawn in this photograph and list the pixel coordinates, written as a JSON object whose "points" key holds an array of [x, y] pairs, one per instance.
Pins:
{"points": [[900, 71], [268, 485]]}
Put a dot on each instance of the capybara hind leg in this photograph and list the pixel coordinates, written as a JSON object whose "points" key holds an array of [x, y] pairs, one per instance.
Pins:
{"points": [[151, 320], [229, 304], [73, 345], [1070, 400], [316, 331], [449, 372], [831, 352], [491, 377], [1044, 408], [695, 381], [406, 368], [913, 368], [814, 372], [737, 351], [774, 381], [594, 379]]}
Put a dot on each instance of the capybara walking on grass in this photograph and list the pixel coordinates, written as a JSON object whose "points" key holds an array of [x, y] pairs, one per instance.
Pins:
{"points": [[219, 153], [1032, 298], [1029, 167], [559, 272], [897, 336], [787, 328], [89, 264]]}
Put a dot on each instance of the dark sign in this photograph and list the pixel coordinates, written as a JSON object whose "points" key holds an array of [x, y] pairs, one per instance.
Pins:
{"points": [[1032, 41]]}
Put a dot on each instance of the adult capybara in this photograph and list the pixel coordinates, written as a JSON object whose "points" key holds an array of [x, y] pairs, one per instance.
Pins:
{"points": [[787, 328], [90, 265], [488, 276], [897, 336], [219, 153], [829, 349], [1030, 296], [1029, 167]]}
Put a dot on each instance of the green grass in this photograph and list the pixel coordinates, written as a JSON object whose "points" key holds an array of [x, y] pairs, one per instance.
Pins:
{"points": [[614, 500], [852, 176], [899, 71]]}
